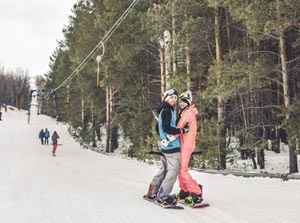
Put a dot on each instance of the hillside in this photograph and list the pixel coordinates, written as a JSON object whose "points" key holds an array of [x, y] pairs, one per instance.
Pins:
{"points": [[83, 186]]}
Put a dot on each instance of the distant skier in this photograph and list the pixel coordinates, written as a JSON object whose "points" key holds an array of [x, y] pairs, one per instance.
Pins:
{"points": [[5, 107], [46, 136], [41, 136], [54, 142], [0, 111]]}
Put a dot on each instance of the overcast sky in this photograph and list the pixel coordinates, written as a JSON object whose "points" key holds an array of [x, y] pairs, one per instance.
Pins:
{"points": [[29, 32]]}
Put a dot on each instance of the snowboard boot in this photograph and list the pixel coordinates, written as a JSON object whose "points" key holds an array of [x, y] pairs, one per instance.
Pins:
{"points": [[193, 199], [182, 195], [200, 185], [150, 195], [168, 200]]}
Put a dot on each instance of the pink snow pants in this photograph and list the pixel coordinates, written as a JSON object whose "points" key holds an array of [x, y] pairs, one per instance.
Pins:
{"points": [[54, 149], [186, 182]]}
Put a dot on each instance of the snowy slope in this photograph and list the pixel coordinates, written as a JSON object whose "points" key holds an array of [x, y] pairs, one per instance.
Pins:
{"points": [[81, 186]]}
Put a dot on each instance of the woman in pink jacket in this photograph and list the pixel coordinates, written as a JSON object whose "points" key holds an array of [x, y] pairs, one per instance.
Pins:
{"points": [[190, 191]]}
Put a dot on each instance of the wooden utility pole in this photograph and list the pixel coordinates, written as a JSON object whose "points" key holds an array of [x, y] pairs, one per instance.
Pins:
{"points": [[162, 70], [98, 59]]}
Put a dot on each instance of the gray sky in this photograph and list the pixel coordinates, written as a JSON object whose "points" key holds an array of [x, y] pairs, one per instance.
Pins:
{"points": [[29, 32]]}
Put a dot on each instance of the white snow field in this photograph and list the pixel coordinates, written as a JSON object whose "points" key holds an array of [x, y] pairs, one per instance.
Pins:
{"points": [[82, 186]]}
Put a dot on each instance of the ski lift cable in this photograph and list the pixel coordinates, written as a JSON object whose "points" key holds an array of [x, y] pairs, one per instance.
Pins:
{"points": [[98, 46]]}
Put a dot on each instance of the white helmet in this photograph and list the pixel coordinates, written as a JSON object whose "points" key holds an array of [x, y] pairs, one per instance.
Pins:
{"points": [[186, 97]]}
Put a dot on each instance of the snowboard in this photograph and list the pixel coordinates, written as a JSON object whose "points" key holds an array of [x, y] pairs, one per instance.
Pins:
{"points": [[163, 206], [159, 153], [201, 205]]}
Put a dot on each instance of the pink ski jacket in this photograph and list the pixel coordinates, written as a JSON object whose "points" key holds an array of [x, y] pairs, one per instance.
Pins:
{"points": [[188, 140]]}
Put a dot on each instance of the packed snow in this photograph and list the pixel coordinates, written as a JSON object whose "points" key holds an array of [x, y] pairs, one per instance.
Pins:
{"points": [[83, 186]]}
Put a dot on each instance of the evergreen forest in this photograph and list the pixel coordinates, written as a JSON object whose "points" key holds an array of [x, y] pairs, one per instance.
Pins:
{"points": [[240, 59]]}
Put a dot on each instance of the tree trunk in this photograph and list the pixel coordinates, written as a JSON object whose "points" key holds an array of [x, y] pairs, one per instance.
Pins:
{"points": [[114, 138], [168, 59], [162, 71], [93, 127], [108, 119], [82, 110], [286, 96], [284, 71], [97, 130], [261, 158], [98, 74], [188, 66], [220, 130], [174, 41]]}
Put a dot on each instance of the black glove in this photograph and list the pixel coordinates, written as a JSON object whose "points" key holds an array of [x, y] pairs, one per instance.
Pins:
{"points": [[186, 128]]}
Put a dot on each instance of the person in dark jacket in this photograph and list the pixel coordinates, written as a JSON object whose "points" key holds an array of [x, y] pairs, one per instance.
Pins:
{"points": [[54, 142], [46, 136], [163, 182], [0, 112], [41, 136]]}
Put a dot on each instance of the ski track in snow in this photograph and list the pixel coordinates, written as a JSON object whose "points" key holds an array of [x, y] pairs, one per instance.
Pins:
{"points": [[80, 186]]}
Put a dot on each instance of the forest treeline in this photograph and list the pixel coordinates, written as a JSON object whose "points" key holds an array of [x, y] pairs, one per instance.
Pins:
{"points": [[240, 59], [14, 87]]}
